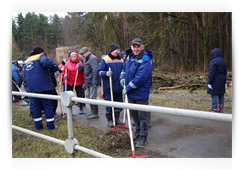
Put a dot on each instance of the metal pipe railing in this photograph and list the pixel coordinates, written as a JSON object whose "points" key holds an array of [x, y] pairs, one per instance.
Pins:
{"points": [[44, 96], [157, 109], [58, 141], [51, 139]]}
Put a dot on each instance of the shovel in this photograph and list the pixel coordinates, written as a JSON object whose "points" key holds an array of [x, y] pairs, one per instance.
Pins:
{"points": [[65, 90], [59, 85], [60, 104], [17, 86], [130, 131], [75, 81], [111, 92]]}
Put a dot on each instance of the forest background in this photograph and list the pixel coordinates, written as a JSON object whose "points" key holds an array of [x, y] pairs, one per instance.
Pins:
{"points": [[180, 41]]}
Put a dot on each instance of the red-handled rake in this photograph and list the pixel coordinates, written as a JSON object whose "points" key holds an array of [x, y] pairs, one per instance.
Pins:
{"points": [[112, 99], [130, 131], [123, 126]]}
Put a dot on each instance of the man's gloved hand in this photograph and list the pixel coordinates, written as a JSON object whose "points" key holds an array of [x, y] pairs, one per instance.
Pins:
{"points": [[84, 86], [109, 73], [80, 67], [124, 91], [66, 76], [94, 85], [122, 82], [210, 86]]}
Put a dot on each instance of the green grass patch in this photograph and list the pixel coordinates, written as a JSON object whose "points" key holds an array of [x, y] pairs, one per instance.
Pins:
{"points": [[113, 143]]}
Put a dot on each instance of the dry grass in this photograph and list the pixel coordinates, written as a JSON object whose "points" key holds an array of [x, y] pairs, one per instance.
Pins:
{"points": [[183, 99]]}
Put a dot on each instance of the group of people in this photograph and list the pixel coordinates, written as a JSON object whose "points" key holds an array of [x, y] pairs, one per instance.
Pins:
{"points": [[129, 70]]}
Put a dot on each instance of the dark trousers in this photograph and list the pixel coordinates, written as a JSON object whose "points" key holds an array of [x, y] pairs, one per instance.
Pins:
{"points": [[14, 88], [47, 104], [55, 102], [140, 118], [117, 98], [78, 90]]}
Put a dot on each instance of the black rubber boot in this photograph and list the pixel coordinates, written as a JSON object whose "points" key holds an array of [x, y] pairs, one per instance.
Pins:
{"points": [[117, 121], [109, 119], [94, 112], [81, 108]]}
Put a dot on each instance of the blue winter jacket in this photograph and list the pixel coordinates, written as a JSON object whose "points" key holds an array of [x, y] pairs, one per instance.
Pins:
{"points": [[137, 73], [116, 65], [14, 72], [37, 73], [217, 73]]}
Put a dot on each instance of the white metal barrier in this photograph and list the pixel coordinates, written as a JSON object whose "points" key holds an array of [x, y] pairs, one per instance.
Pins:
{"points": [[64, 143], [68, 99], [71, 144], [154, 109]]}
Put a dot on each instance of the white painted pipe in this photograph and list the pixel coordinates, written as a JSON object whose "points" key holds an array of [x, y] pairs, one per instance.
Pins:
{"points": [[58, 141], [157, 109]]}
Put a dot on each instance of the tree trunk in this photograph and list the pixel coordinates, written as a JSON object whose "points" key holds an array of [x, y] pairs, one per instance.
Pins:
{"points": [[227, 38], [220, 39], [231, 40]]}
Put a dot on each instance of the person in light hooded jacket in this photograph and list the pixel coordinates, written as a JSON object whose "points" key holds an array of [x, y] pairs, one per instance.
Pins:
{"points": [[216, 80]]}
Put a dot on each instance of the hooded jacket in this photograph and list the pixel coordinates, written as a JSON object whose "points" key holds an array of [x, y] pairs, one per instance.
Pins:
{"points": [[37, 73], [71, 72], [217, 73], [137, 73]]}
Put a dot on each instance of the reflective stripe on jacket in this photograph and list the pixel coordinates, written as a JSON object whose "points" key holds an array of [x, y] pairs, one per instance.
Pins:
{"points": [[116, 66]]}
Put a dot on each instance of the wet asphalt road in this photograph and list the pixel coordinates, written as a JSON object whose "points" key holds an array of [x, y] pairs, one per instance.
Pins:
{"points": [[176, 136]]}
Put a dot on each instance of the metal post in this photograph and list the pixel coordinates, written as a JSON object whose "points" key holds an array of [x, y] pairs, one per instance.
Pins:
{"points": [[70, 122], [70, 126], [71, 141]]}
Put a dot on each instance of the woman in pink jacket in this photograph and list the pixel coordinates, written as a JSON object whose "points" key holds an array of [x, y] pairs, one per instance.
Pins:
{"points": [[72, 66]]}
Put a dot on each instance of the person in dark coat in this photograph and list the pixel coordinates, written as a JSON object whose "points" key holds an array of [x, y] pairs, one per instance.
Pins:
{"points": [[38, 80], [216, 80], [91, 79], [112, 60]]}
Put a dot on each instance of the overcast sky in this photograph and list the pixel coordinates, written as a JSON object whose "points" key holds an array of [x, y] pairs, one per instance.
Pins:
{"points": [[60, 14]]}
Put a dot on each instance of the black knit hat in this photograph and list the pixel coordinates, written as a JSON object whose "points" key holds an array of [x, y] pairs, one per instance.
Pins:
{"points": [[36, 50], [114, 47]]}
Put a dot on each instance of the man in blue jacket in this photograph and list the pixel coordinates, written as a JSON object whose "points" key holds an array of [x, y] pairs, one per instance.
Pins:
{"points": [[113, 61], [37, 77], [136, 75]]}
